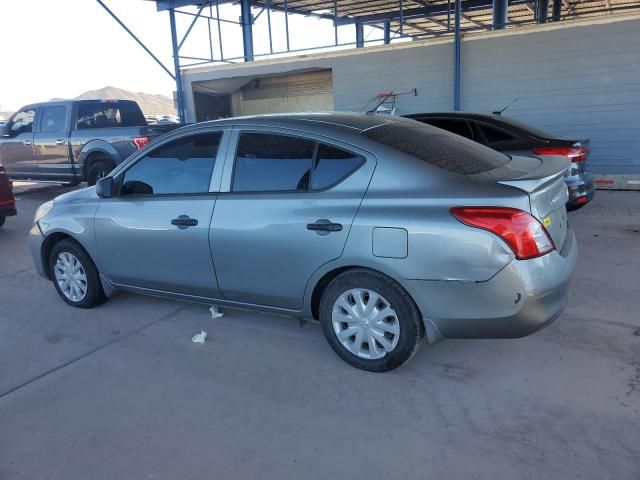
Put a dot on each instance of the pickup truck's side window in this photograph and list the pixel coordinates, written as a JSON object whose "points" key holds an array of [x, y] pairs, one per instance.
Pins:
{"points": [[182, 166], [53, 118], [22, 122], [107, 113]]}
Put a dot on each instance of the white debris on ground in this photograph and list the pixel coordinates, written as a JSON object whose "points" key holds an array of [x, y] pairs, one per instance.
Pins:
{"points": [[215, 312], [199, 337]]}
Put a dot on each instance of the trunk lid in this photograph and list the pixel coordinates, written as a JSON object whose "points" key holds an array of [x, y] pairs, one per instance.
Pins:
{"points": [[542, 179]]}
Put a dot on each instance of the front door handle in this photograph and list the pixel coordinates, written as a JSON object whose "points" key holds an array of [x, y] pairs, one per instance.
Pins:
{"points": [[183, 221], [59, 141], [324, 225], [27, 142]]}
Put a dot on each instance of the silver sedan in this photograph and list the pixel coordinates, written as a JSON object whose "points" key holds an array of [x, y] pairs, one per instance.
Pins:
{"points": [[384, 229]]}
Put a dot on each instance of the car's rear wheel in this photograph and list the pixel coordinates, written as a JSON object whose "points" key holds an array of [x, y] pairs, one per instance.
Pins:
{"points": [[370, 321], [74, 275]]}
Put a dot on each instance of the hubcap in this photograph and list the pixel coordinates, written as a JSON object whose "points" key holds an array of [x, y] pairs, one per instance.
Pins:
{"points": [[365, 323], [71, 277]]}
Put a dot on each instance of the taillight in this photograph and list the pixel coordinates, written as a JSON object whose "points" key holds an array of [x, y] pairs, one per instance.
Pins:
{"points": [[575, 154], [523, 233], [140, 142]]}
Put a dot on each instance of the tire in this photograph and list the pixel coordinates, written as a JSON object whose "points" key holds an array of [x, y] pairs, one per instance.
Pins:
{"points": [[97, 170], [403, 331], [93, 293], [2, 219]]}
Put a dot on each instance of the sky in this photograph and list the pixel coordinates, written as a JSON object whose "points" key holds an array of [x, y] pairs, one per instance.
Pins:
{"points": [[62, 48]]}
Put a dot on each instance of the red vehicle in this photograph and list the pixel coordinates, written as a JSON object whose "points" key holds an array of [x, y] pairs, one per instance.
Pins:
{"points": [[7, 202]]}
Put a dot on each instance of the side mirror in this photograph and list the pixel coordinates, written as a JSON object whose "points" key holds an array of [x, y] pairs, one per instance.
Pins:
{"points": [[105, 187]]}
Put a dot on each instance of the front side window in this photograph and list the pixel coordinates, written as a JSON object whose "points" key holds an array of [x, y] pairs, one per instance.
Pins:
{"points": [[22, 122], [268, 162], [53, 118], [109, 113], [179, 167]]}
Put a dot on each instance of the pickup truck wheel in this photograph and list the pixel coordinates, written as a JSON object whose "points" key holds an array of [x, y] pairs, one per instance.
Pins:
{"points": [[98, 170], [74, 275], [370, 321]]}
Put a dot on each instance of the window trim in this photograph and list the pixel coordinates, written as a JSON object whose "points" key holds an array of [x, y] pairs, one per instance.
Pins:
{"points": [[240, 130], [216, 171]]}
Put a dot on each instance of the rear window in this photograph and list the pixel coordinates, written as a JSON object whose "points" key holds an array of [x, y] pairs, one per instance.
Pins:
{"points": [[536, 132], [437, 147], [108, 113]]}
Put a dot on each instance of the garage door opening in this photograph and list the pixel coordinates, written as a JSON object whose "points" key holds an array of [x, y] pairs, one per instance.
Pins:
{"points": [[308, 91]]}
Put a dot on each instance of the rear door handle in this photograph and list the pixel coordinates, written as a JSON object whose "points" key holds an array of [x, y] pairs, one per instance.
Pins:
{"points": [[183, 221], [59, 141], [324, 225], [27, 142]]}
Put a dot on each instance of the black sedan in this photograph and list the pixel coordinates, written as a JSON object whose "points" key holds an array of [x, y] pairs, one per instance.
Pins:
{"points": [[516, 138]]}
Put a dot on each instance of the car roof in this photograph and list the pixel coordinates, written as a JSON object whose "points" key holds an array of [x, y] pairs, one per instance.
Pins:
{"points": [[492, 117], [345, 121]]}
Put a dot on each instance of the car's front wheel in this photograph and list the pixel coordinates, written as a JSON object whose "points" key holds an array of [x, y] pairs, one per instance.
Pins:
{"points": [[74, 275], [370, 321]]}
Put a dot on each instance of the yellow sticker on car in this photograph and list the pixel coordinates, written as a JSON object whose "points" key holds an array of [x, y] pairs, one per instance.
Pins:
{"points": [[547, 222]]}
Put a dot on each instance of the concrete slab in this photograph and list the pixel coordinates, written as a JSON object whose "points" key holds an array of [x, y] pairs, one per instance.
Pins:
{"points": [[121, 392]]}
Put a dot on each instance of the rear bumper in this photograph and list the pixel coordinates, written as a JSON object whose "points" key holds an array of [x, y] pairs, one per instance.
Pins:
{"points": [[581, 190], [522, 298]]}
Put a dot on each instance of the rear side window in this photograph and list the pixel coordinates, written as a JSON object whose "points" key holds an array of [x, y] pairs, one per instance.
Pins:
{"points": [[182, 166], [494, 135], [459, 127], [437, 147], [332, 165], [53, 118], [107, 113], [268, 162]]}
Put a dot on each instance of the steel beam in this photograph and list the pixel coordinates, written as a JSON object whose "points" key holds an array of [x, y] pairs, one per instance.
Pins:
{"points": [[500, 12], [126, 29], [556, 13], [473, 22], [246, 20], [193, 22], [542, 11], [387, 31], [457, 71], [421, 12], [359, 35], [176, 64]]}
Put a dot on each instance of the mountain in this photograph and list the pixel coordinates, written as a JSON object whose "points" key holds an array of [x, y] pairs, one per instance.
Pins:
{"points": [[149, 103]]}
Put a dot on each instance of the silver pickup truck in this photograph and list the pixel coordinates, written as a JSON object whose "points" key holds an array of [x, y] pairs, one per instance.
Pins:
{"points": [[73, 140]]}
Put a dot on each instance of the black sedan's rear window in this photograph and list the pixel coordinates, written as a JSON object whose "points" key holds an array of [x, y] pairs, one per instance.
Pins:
{"points": [[438, 147]]}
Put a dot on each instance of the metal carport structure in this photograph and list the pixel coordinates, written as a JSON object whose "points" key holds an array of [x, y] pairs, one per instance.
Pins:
{"points": [[394, 20]]}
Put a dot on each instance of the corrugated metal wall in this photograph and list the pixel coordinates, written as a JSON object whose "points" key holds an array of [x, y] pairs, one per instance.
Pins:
{"points": [[573, 78]]}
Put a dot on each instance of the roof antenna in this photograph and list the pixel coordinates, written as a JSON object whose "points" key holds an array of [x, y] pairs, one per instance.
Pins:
{"points": [[499, 112]]}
